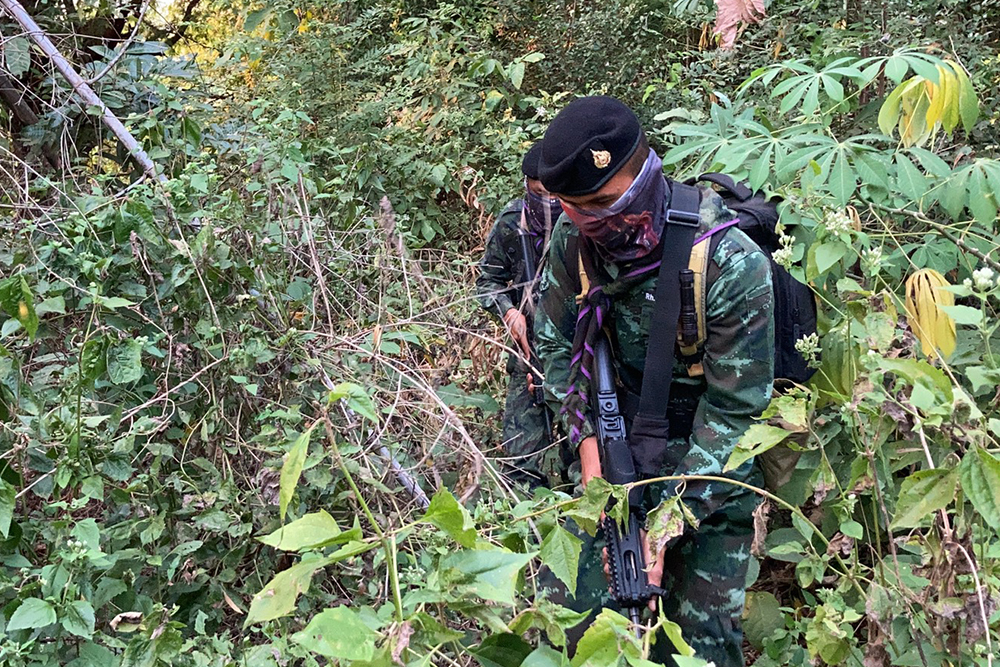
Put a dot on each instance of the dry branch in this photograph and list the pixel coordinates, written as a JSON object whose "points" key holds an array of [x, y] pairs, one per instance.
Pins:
{"points": [[86, 93]]}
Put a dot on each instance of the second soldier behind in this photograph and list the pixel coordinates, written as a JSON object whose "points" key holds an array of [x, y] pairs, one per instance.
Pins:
{"points": [[530, 457]]}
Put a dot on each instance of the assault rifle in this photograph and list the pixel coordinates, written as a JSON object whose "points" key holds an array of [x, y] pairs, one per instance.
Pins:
{"points": [[630, 586], [528, 280]]}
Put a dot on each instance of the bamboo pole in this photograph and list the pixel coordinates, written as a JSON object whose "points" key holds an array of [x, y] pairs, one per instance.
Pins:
{"points": [[86, 93]]}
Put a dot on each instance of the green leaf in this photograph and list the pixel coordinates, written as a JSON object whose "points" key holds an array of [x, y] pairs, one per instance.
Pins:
{"points": [[502, 650], [888, 115], [761, 617], [664, 523], [843, 182], [968, 104], [17, 55], [199, 182], [954, 195], [827, 638], [545, 656], [691, 661], [895, 68], [53, 305], [455, 397], [761, 169], [8, 499], [964, 315], [981, 484], [981, 199], [586, 511], [599, 645], [447, 514], [852, 529], [112, 302], [517, 74], [561, 553], [125, 362], [489, 574], [676, 637], [758, 439], [313, 531], [88, 532], [910, 181], [78, 619], [338, 633], [32, 613], [357, 399], [922, 494], [292, 469], [94, 655], [916, 371], [982, 376], [278, 596], [828, 254]]}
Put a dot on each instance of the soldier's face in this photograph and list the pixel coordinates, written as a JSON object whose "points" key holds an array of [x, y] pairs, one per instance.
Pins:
{"points": [[609, 193]]}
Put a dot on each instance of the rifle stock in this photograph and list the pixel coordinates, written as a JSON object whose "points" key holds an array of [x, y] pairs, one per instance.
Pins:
{"points": [[630, 586]]}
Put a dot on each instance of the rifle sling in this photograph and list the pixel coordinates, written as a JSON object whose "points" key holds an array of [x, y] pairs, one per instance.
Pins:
{"points": [[683, 220]]}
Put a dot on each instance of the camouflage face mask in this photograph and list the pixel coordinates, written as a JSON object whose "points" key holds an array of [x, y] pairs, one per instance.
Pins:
{"points": [[540, 212], [631, 227]]}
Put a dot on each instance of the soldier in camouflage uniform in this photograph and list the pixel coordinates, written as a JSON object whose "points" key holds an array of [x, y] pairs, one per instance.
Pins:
{"points": [[531, 459], [596, 159]]}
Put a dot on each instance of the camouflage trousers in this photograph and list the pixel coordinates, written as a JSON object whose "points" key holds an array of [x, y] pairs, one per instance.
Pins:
{"points": [[705, 573], [530, 458]]}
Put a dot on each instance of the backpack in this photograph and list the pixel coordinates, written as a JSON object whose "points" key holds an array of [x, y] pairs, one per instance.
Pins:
{"points": [[794, 302]]}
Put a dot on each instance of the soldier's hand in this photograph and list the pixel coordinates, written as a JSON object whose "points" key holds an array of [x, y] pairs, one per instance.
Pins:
{"points": [[654, 568], [517, 325], [590, 459]]}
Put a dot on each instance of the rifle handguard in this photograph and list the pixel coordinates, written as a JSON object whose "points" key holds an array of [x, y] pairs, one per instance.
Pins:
{"points": [[630, 585]]}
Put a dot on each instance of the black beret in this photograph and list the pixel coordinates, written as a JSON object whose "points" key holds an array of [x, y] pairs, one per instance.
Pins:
{"points": [[529, 165], [586, 144]]}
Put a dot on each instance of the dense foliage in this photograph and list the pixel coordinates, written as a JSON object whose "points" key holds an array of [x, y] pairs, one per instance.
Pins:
{"points": [[204, 382]]}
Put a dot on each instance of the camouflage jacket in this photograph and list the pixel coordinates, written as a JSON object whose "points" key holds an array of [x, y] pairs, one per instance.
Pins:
{"points": [[500, 270], [738, 354]]}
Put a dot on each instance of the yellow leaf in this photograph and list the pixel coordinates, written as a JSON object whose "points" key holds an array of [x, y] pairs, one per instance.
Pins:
{"points": [[935, 109], [949, 87], [933, 327]]}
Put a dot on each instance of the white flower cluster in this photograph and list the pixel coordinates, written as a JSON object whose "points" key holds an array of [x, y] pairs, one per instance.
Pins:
{"points": [[808, 347], [837, 222], [783, 255], [871, 259], [983, 279]]}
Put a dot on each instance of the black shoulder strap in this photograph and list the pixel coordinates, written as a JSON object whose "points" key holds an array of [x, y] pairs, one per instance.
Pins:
{"points": [[572, 261], [678, 235]]}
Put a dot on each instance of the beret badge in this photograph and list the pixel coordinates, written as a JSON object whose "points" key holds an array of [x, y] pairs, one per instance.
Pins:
{"points": [[601, 158]]}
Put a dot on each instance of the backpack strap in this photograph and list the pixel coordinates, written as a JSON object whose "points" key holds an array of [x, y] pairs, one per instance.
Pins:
{"points": [[682, 220], [698, 264], [572, 257]]}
